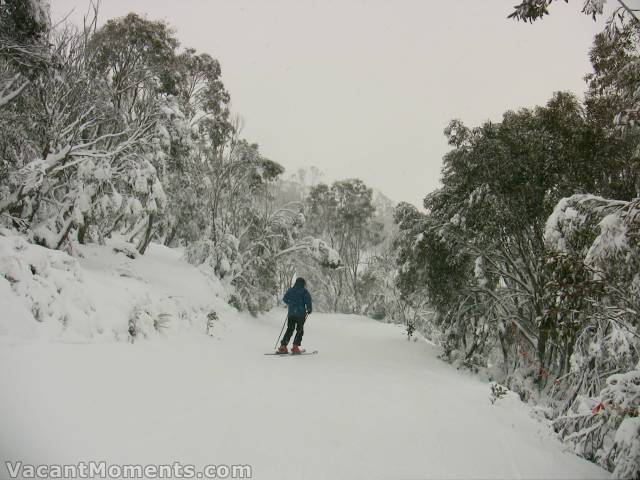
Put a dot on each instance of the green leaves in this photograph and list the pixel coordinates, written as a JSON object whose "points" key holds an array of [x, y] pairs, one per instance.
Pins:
{"points": [[531, 10]]}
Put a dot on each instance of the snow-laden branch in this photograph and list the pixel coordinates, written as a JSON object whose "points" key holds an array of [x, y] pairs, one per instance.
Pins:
{"points": [[11, 89], [317, 248]]}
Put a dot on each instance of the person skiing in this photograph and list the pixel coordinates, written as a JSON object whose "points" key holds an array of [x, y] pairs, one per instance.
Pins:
{"points": [[298, 300]]}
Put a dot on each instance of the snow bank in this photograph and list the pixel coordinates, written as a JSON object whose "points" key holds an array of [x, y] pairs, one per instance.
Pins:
{"points": [[43, 289], [109, 294]]}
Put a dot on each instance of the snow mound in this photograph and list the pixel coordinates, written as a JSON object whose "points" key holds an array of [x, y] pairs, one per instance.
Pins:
{"points": [[44, 290], [109, 294]]}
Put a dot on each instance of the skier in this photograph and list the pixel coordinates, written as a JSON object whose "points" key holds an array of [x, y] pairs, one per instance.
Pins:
{"points": [[298, 300]]}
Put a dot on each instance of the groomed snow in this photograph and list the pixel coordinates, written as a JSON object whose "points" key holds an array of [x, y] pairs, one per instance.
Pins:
{"points": [[370, 405]]}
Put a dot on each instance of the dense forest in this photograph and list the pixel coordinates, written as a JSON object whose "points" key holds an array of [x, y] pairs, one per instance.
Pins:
{"points": [[524, 266]]}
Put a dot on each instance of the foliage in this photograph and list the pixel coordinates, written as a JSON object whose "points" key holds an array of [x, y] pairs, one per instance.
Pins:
{"points": [[532, 10], [497, 392]]}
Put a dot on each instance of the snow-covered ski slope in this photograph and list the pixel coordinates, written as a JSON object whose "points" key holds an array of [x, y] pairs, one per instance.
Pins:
{"points": [[369, 406]]}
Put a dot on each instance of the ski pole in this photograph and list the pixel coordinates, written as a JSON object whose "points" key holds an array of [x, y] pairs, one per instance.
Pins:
{"points": [[281, 330]]}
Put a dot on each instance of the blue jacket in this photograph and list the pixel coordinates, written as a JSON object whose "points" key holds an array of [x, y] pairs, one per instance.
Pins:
{"points": [[298, 299]]}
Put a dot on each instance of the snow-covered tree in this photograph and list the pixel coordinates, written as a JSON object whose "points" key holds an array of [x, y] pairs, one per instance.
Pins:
{"points": [[80, 156], [24, 29], [595, 296], [343, 214]]}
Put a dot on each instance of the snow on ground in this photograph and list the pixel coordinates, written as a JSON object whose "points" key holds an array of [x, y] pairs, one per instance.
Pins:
{"points": [[370, 405]]}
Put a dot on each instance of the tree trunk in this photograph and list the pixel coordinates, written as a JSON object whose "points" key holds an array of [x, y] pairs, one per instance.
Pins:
{"points": [[172, 234], [146, 237], [82, 232]]}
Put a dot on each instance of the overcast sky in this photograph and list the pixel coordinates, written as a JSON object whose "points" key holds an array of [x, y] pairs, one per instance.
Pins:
{"points": [[364, 88]]}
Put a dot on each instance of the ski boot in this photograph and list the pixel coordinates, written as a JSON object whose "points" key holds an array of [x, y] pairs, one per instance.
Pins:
{"points": [[282, 349], [296, 350]]}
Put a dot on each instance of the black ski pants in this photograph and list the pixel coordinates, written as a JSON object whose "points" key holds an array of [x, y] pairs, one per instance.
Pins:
{"points": [[297, 324]]}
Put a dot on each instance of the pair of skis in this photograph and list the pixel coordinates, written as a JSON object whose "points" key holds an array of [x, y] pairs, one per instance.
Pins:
{"points": [[303, 352]]}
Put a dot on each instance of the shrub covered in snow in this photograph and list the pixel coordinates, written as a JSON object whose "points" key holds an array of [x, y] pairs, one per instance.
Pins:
{"points": [[105, 296], [605, 429], [43, 290]]}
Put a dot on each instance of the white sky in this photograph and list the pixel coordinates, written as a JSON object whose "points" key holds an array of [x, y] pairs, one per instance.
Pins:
{"points": [[364, 88]]}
